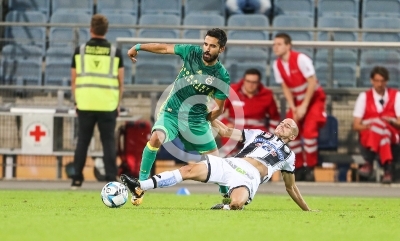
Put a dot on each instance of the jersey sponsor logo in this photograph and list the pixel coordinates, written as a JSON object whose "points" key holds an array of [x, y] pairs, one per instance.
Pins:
{"points": [[209, 80], [270, 147]]}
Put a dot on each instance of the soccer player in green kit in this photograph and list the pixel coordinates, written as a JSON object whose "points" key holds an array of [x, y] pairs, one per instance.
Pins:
{"points": [[184, 113]]}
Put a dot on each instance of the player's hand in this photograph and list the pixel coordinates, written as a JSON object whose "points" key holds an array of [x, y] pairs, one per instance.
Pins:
{"points": [[132, 53], [301, 111]]}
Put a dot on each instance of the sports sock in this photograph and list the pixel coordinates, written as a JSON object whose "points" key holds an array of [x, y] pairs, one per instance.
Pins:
{"points": [[223, 189], [164, 179], [148, 158]]}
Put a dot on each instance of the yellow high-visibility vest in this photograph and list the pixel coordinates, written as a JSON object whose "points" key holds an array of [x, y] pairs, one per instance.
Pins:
{"points": [[97, 86]]}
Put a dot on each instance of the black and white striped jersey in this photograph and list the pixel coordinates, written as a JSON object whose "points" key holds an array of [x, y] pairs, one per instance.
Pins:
{"points": [[268, 149]]}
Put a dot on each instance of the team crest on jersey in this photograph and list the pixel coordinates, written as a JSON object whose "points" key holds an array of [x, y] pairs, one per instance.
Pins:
{"points": [[286, 149], [209, 80]]}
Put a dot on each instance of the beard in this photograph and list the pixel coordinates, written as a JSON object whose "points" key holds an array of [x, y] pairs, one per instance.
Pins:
{"points": [[207, 57]]}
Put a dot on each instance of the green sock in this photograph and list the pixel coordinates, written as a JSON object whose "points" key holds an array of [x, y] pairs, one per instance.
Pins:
{"points": [[148, 158], [223, 190]]}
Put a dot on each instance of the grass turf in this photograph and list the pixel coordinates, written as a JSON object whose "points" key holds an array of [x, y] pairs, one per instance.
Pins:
{"points": [[80, 215]]}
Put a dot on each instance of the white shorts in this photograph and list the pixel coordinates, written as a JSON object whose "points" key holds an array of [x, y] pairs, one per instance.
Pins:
{"points": [[232, 172]]}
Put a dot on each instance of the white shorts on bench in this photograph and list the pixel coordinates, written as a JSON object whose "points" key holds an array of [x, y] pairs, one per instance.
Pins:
{"points": [[232, 172]]}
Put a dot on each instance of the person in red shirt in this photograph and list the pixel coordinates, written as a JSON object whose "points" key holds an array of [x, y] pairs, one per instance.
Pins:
{"points": [[254, 108], [306, 100], [377, 119]]}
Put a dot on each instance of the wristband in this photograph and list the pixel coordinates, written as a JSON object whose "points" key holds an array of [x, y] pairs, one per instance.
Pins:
{"points": [[137, 47]]}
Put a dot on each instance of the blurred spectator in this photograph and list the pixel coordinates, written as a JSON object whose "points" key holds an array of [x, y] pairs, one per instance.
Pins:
{"points": [[377, 119], [248, 6], [258, 104], [306, 100]]}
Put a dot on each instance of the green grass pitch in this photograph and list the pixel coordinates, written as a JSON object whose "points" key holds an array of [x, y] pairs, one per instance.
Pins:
{"points": [[80, 215]]}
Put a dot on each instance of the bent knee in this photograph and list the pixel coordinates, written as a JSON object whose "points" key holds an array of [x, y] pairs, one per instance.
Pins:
{"points": [[157, 138], [186, 171]]}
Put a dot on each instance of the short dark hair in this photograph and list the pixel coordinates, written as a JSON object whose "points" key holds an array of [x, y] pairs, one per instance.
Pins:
{"points": [[286, 37], [381, 71], [99, 24], [253, 71], [218, 34]]}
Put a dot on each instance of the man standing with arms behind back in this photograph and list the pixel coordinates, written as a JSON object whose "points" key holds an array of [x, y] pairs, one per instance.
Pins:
{"points": [[306, 100], [184, 113], [97, 74]]}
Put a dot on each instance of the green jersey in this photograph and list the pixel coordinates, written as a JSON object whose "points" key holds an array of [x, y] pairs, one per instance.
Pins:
{"points": [[196, 84]]}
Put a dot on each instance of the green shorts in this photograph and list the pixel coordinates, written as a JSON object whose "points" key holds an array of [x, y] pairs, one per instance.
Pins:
{"points": [[196, 136]]}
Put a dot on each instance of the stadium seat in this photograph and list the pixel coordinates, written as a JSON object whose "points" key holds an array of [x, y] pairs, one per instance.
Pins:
{"points": [[27, 35], [145, 74], [65, 35], [205, 7], [342, 22], [22, 64], [384, 57], [296, 7], [85, 6], [288, 21], [340, 56], [58, 65], [381, 8], [343, 75], [328, 135], [381, 23], [118, 6], [350, 8], [42, 6], [122, 19], [161, 7], [157, 19], [199, 19], [394, 76], [253, 20]]}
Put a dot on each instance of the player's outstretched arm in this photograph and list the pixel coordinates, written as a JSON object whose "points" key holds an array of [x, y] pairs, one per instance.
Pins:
{"points": [[158, 48], [225, 131], [293, 191]]}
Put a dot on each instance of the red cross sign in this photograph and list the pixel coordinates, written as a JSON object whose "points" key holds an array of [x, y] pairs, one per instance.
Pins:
{"points": [[37, 133]]}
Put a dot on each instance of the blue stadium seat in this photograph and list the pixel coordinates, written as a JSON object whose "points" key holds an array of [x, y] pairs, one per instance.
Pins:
{"points": [[22, 64], [42, 6], [85, 6], [328, 135], [340, 56], [65, 35], [338, 22], [121, 18], [287, 21], [118, 6], [165, 74], [381, 8], [384, 57], [343, 75], [253, 20], [161, 7], [199, 19], [381, 23], [58, 65], [296, 7], [27, 35], [349, 8], [157, 19], [205, 7], [394, 75]]}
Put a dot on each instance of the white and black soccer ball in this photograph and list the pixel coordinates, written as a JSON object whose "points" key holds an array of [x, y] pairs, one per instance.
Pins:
{"points": [[114, 194]]}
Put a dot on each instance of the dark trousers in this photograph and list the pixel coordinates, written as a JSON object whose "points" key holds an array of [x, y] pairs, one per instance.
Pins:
{"points": [[370, 156], [106, 122]]}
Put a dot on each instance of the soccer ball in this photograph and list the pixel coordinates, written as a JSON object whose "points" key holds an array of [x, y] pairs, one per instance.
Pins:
{"points": [[114, 194]]}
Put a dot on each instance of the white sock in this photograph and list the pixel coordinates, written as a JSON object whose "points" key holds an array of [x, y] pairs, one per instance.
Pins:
{"points": [[164, 179]]}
